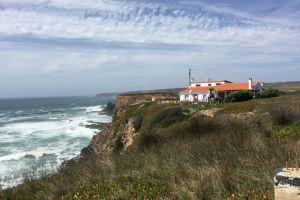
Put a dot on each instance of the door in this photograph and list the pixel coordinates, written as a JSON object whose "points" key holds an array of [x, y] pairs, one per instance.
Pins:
{"points": [[195, 98]]}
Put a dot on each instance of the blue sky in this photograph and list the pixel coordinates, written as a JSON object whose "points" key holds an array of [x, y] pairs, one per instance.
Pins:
{"points": [[83, 47]]}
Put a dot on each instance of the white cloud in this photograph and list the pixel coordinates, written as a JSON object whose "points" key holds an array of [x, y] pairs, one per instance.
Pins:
{"points": [[139, 22]]}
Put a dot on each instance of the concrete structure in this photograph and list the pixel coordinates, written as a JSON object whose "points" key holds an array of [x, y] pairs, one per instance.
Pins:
{"points": [[200, 91], [287, 184]]}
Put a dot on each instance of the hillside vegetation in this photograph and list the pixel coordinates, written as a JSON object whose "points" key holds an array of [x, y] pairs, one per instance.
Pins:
{"points": [[228, 151]]}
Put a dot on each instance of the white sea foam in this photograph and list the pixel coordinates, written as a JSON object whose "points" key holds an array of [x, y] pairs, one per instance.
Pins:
{"points": [[14, 156], [40, 151], [72, 126], [94, 109], [79, 108], [47, 137]]}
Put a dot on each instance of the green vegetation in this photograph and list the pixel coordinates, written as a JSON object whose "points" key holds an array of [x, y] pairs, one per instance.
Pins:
{"points": [[177, 155], [239, 96], [285, 131], [167, 117], [268, 93]]}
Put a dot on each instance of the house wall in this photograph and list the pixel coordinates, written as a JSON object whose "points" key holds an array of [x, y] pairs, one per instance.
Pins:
{"points": [[202, 97], [182, 97], [191, 97], [206, 84], [186, 97], [258, 87]]}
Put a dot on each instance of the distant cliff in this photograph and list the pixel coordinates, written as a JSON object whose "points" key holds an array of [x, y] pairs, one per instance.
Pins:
{"points": [[133, 98]]}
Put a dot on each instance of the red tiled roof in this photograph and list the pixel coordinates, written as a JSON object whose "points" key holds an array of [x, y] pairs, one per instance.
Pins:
{"points": [[234, 86], [223, 87]]}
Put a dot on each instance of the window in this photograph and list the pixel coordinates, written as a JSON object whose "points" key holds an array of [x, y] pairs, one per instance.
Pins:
{"points": [[218, 84], [209, 84], [198, 85]]}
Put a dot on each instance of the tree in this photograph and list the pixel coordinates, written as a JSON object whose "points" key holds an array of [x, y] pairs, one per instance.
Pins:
{"points": [[211, 95]]}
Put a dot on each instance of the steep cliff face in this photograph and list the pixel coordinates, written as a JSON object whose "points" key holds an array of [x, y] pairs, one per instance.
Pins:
{"points": [[103, 142], [120, 131]]}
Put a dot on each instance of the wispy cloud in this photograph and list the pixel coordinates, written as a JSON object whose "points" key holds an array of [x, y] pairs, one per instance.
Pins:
{"points": [[139, 22], [62, 37]]}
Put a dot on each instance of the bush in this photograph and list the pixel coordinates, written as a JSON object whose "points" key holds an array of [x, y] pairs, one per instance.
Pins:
{"points": [[284, 131], [239, 96], [218, 100], [268, 93], [168, 117]]}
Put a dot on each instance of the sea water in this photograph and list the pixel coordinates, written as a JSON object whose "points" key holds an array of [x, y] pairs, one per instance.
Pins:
{"points": [[38, 134]]}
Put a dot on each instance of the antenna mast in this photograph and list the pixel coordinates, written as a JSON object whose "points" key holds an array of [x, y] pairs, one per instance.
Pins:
{"points": [[190, 76]]}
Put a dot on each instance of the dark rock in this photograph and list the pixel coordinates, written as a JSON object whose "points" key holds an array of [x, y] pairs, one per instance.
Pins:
{"points": [[87, 152], [94, 125], [109, 109]]}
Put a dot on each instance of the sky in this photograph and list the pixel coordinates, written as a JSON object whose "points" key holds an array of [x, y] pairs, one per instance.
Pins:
{"points": [[85, 47]]}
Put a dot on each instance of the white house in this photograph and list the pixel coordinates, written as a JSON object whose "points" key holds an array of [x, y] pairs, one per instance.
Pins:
{"points": [[199, 91]]}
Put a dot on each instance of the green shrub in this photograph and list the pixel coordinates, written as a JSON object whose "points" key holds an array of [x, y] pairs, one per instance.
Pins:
{"points": [[167, 117], [268, 93], [283, 131], [218, 100], [239, 96]]}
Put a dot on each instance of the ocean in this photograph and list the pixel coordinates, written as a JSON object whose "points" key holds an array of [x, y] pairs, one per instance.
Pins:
{"points": [[38, 134]]}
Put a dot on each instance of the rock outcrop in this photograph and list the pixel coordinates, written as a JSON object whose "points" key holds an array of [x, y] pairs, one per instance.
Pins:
{"points": [[104, 142], [287, 184], [109, 109]]}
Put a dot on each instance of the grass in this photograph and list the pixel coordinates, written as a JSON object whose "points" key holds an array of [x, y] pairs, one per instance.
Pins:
{"points": [[167, 117], [178, 156]]}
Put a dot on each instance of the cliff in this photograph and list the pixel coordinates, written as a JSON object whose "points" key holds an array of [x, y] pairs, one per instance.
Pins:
{"points": [[123, 128]]}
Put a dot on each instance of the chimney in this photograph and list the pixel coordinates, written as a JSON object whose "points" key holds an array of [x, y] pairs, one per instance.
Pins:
{"points": [[250, 83]]}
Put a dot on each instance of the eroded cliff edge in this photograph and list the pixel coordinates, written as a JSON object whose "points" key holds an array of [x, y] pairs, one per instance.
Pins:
{"points": [[120, 132]]}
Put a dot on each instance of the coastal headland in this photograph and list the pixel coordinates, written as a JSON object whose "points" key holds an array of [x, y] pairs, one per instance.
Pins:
{"points": [[169, 150]]}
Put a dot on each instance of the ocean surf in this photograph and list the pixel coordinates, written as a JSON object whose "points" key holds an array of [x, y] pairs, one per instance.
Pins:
{"points": [[40, 133]]}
